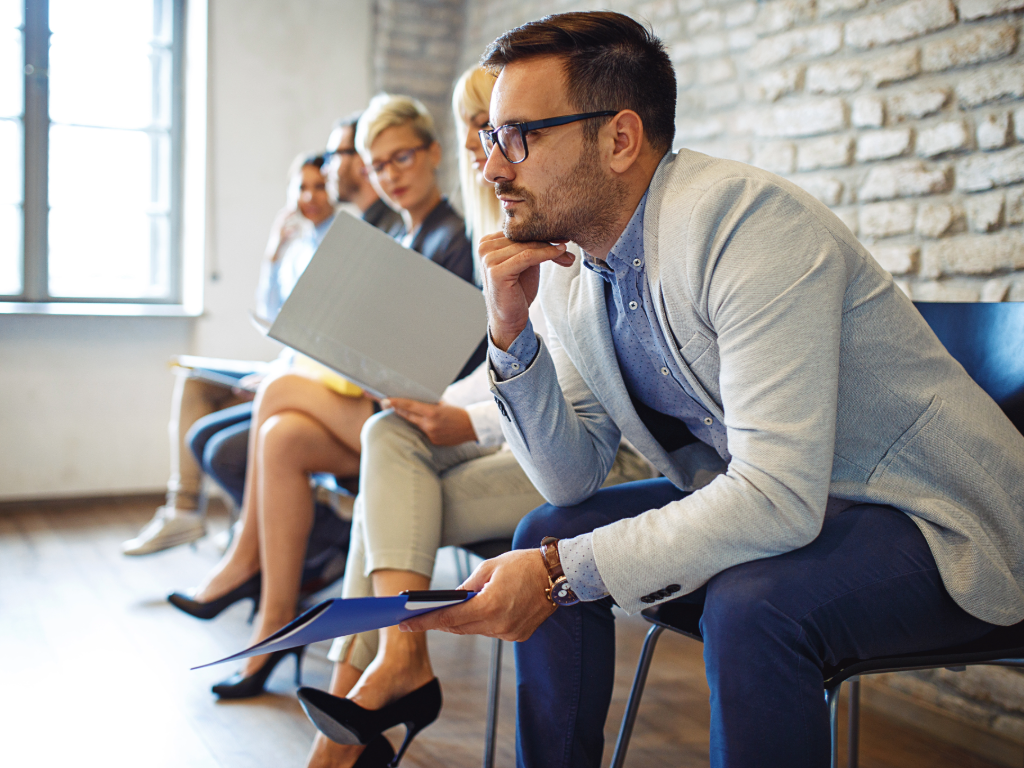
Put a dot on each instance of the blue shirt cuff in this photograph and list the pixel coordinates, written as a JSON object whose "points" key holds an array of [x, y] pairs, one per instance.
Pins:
{"points": [[577, 558], [519, 355]]}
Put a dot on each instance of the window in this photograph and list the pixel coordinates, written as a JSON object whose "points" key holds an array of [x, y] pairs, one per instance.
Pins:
{"points": [[90, 96]]}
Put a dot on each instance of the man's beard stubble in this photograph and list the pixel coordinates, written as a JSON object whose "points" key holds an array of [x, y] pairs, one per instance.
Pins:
{"points": [[581, 208]]}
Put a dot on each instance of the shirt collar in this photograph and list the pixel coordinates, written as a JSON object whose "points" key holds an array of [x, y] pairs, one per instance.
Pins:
{"points": [[632, 235]]}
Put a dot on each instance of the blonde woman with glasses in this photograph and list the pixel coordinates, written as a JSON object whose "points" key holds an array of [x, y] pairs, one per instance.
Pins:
{"points": [[424, 484]]}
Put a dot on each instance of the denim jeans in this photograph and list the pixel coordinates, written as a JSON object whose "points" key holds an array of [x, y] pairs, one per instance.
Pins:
{"points": [[220, 443], [866, 586]]}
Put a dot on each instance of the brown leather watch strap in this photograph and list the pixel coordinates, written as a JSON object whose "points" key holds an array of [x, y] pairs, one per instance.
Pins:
{"points": [[549, 549]]}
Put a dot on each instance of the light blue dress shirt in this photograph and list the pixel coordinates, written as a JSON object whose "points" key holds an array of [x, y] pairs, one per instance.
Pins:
{"points": [[648, 369]]}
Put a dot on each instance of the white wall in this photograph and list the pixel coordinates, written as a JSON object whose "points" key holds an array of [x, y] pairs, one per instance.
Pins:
{"points": [[84, 401]]}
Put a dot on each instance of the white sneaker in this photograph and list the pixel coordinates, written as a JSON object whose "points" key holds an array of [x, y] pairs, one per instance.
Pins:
{"points": [[168, 528]]}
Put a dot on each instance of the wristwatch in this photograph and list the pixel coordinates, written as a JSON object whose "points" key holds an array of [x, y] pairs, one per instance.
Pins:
{"points": [[558, 592]]}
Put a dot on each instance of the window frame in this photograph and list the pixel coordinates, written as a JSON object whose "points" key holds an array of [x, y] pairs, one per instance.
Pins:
{"points": [[35, 124]]}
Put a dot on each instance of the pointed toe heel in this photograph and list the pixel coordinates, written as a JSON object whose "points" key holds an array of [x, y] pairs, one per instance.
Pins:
{"points": [[238, 687], [345, 722], [250, 589]]}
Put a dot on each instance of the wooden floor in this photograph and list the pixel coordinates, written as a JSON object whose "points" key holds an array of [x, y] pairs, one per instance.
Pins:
{"points": [[95, 668]]}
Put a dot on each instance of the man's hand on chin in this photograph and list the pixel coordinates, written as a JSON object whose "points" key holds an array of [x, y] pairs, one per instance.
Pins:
{"points": [[510, 605], [511, 276]]}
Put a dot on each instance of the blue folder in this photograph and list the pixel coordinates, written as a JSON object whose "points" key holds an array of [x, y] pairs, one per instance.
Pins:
{"points": [[340, 617]]}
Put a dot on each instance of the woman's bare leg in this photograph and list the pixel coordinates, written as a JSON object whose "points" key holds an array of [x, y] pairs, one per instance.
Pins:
{"points": [[343, 417], [291, 446]]}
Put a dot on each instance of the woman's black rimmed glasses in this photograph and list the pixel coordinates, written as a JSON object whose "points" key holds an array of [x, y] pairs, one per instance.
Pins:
{"points": [[511, 138]]}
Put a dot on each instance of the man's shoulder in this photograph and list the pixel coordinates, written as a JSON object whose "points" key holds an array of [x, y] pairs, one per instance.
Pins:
{"points": [[691, 175]]}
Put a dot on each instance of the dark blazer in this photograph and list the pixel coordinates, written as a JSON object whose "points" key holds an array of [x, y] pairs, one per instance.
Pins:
{"points": [[381, 216], [442, 239]]}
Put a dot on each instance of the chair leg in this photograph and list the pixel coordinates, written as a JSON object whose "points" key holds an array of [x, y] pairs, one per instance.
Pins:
{"points": [[854, 728], [633, 705], [832, 699], [493, 694], [462, 569]]}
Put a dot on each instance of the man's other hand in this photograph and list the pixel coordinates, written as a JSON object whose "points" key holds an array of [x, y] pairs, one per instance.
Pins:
{"points": [[511, 274], [443, 424], [510, 605]]}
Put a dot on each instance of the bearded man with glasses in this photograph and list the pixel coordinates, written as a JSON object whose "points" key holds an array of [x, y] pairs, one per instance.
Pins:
{"points": [[732, 329]]}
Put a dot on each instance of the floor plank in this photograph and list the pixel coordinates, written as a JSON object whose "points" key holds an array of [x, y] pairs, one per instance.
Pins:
{"points": [[96, 667]]}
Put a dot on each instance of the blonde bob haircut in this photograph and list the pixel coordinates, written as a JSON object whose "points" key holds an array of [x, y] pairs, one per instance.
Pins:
{"points": [[472, 95], [388, 111]]}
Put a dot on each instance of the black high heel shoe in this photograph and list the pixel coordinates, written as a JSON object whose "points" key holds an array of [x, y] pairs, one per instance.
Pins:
{"points": [[250, 589], [345, 722], [378, 754], [238, 687]]}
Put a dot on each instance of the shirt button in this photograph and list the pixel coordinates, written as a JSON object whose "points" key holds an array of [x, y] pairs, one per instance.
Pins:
{"points": [[515, 366], [637, 262], [664, 371], [633, 305], [708, 421]]}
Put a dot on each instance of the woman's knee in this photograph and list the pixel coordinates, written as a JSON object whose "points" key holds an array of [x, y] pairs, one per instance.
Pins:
{"points": [[387, 432], [278, 391], [284, 436]]}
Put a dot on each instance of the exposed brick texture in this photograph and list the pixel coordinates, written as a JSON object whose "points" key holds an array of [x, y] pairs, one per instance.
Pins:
{"points": [[882, 145], [979, 172], [939, 138], [904, 116], [979, 9], [969, 46], [886, 219], [418, 51], [905, 179], [904, 21], [828, 152]]}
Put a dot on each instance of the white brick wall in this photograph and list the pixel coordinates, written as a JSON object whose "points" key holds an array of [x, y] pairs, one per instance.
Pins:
{"points": [[859, 102]]}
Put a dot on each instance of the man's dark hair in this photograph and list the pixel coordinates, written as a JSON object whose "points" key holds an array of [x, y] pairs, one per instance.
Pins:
{"points": [[610, 62]]}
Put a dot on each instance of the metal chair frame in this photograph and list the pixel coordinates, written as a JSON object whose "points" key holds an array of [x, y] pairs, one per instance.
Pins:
{"points": [[1003, 647], [485, 550]]}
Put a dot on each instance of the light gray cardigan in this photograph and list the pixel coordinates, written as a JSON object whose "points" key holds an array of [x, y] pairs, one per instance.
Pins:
{"points": [[827, 379]]}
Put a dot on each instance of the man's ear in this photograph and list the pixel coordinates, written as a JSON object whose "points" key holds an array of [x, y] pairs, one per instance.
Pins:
{"points": [[626, 134]]}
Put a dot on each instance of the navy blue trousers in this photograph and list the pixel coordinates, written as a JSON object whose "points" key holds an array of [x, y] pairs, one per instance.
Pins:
{"points": [[867, 586], [220, 443]]}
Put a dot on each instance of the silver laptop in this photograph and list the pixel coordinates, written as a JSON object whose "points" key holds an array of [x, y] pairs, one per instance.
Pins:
{"points": [[383, 316]]}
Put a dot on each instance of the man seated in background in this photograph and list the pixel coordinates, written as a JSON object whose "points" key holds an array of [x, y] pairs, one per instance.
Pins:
{"points": [[348, 179]]}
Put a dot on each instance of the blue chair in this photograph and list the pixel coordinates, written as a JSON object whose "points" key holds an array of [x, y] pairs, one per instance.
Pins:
{"points": [[988, 341]]}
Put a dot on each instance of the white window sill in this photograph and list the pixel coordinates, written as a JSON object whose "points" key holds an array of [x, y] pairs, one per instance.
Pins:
{"points": [[109, 309]]}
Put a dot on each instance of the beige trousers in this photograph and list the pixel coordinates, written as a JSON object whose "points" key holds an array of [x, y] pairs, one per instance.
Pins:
{"points": [[192, 399], [416, 497]]}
